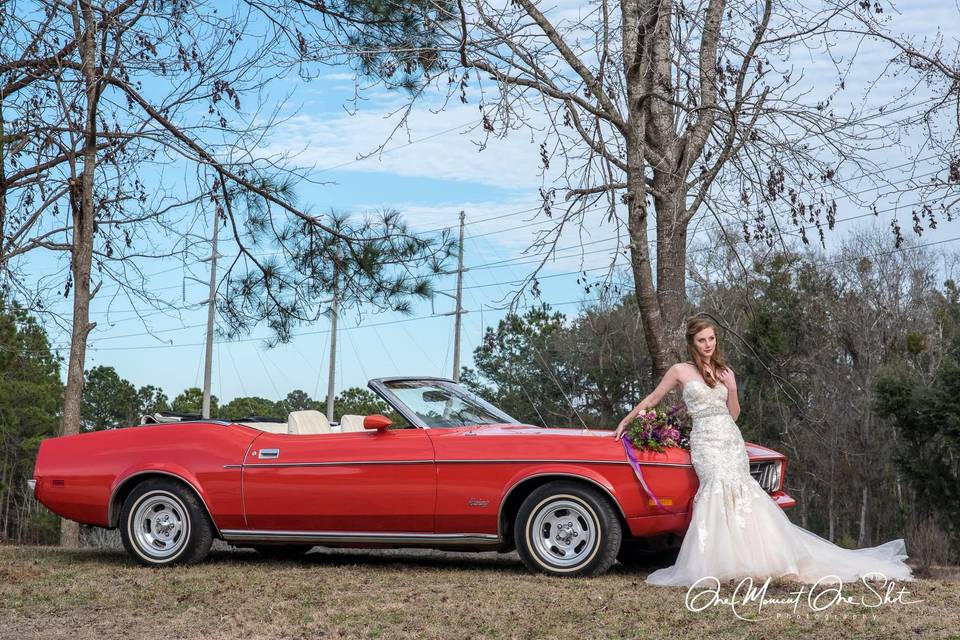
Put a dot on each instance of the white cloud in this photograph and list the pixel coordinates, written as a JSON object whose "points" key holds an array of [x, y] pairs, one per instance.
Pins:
{"points": [[444, 146]]}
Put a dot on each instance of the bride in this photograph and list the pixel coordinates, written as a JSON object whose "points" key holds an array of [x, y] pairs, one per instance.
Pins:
{"points": [[737, 530]]}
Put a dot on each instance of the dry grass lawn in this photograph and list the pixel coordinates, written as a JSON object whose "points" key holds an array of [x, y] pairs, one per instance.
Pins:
{"points": [[98, 595]]}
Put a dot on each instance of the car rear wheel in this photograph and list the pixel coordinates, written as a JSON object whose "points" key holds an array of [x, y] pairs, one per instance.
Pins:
{"points": [[164, 523], [568, 529]]}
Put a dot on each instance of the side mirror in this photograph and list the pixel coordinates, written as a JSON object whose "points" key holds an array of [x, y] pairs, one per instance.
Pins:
{"points": [[377, 421]]}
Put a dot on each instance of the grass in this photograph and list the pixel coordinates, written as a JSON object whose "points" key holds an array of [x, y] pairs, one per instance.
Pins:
{"points": [[98, 594]]}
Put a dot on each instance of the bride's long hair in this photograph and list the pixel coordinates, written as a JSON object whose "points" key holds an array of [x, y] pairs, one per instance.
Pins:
{"points": [[695, 326]]}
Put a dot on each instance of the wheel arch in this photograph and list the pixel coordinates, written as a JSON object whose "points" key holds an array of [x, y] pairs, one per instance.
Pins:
{"points": [[518, 492], [131, 481]]}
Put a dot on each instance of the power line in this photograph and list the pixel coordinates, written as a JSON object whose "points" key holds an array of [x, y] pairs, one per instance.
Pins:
{"points": [[864, 118], [523, 280], [417, 318]]}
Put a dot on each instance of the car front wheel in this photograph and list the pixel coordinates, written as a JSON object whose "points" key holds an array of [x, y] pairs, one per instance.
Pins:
{"points": [[568, 529], [164, 523]]}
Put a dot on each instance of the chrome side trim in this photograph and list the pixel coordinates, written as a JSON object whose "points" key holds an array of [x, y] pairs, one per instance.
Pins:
{"points": [[483, 461], [556, 461], [319, 537], [113, 494], [257, 465]]}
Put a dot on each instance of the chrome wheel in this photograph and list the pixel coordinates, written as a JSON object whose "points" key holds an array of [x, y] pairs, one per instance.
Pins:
{"points": [[563, 531], [160, 525]]}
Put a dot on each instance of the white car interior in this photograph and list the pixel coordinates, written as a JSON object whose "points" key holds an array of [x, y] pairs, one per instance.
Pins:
{"points": [[305, 423], [351, 423], [300, 423], [310, 422]]}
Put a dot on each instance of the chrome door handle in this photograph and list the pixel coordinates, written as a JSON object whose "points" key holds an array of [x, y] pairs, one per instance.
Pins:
{"points": [[269, 453]]}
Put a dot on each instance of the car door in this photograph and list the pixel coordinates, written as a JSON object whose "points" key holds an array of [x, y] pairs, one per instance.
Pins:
{"points": [[372, 481]]}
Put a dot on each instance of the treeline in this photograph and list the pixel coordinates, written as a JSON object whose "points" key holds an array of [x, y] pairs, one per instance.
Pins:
{"points": [[110, 402], [849, 363], [31, 399]]}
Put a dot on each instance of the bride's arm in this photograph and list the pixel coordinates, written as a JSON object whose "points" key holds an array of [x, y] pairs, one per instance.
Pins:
{"points": [[670, 380], [733, 402]]}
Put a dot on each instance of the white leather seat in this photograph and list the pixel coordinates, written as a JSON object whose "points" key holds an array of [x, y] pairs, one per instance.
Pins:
{"points": [[306, 423], [351, 423]]}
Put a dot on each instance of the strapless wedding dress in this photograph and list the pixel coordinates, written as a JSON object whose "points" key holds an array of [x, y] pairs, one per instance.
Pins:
{"points": [[738, 531]]}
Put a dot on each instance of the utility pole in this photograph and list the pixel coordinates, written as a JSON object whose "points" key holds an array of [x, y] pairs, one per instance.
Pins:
{"points": [[333, 348], [459, 311], [208, 364]]}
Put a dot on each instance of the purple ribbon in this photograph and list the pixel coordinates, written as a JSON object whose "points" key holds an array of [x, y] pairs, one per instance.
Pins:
{"points": [[627, 447]]}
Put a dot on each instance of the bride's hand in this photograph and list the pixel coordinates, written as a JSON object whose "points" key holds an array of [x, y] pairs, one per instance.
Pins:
{"points": [[620, 429], [727, 378]]}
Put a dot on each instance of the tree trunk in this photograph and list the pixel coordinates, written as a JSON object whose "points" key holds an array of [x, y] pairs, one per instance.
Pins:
{"points": [[672, 270], [864, 538], [640, 263], [831, 526], [82, 207]]}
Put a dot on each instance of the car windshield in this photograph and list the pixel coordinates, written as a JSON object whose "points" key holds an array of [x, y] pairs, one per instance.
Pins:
{"points": [[445, 404]]}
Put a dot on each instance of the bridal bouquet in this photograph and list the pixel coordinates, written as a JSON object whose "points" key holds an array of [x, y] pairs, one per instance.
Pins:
{"points": [[656, 429]]}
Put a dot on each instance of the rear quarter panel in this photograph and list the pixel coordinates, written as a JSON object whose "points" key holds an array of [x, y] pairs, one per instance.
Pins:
{"points": [[77, 475]]}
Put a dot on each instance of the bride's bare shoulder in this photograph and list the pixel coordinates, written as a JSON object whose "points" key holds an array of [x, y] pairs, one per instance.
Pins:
{"points": [[683, 372]]}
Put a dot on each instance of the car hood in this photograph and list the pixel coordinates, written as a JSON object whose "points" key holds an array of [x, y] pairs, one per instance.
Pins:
{"points": [[753, 450]]}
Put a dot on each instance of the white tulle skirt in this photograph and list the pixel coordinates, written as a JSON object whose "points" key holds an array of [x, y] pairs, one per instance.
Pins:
{"points": [[738, 531]]}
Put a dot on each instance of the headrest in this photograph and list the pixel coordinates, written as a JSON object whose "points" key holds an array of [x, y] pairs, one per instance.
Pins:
{"points": [[307, 422], [351, 423]]}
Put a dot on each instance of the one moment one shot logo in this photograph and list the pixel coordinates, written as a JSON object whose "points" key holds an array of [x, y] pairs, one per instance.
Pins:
{"points": [[824, 594]]}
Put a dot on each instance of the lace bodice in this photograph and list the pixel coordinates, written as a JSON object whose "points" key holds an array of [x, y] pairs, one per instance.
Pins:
{"points": [[703, 401]]}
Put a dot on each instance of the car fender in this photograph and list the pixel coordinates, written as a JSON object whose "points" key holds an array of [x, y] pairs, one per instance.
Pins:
{"points": [[573, 471], [160, 468]]}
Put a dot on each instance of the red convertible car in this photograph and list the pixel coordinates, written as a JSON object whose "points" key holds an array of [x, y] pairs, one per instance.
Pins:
{"points": [[461, 475]]}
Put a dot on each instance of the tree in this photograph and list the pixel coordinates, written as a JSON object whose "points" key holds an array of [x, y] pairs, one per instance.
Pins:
{"points": [[374, 262], [521, 359], [109, 401], [104, 98], [30, 393], [190, 400], [240, 408], [926, 414], [152, 400], [362, 402], [808, 334], [543, 369], [649, 111], [935, 63], [298, 400], [605, 345]]}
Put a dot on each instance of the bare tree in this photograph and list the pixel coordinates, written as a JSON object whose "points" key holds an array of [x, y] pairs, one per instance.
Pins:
{"points": [[932, 63], [101, 103], [649, 111]]}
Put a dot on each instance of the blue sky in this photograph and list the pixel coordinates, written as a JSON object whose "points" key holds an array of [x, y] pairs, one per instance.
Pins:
{"points": [[429, 176]]}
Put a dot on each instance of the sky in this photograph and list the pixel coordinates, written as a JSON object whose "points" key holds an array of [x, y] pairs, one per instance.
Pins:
{"points": [[429, 174]]}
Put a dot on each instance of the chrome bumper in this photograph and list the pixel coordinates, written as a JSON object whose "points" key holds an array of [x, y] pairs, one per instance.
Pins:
{"points": [[32, 484]]}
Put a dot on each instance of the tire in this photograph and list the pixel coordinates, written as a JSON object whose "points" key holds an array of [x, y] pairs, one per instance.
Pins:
{"points": [[637, 554], [282, 551], [566, 528], [163, 523]]}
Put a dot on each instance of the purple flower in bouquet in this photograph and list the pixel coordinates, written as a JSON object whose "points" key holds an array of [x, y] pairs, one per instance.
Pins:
{"points": [[657, 429]]}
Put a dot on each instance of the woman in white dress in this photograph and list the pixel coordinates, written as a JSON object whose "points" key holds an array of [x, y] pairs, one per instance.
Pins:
{"points": [[736, 529]]}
